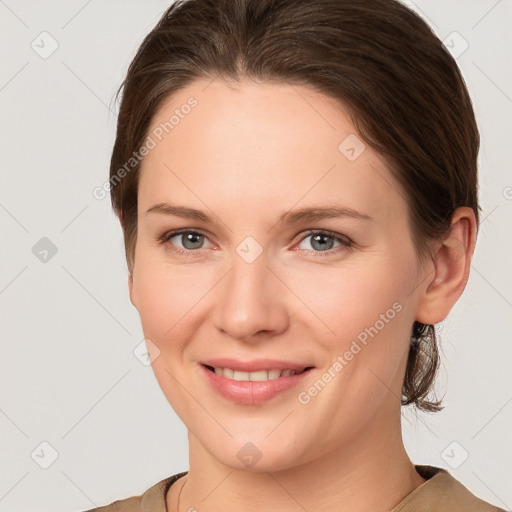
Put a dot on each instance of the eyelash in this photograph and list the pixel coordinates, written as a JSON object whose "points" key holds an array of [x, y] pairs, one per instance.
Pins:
{"points": [[345, 241]]}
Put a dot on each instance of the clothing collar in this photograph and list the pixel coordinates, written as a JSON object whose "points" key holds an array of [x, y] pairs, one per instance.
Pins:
{"points": [[441, 492]]}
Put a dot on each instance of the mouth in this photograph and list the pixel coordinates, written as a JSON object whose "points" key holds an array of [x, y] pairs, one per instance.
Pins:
{"points": [[256, 382], [255, 376]]}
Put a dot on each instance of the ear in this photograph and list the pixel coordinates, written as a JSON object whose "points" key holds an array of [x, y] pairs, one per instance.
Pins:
{"points": [[452, 262]]}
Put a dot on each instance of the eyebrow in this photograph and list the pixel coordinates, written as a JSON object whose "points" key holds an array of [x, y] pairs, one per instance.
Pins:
{"points": [[310, 214]]}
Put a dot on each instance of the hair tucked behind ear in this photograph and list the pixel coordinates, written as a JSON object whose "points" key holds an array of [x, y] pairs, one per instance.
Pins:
{"points": [[422, 366]]}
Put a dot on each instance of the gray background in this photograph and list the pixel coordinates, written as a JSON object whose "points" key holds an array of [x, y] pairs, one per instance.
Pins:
{"points": [[69, 377]]}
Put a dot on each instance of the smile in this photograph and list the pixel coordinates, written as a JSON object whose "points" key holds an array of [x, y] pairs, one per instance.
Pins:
{"points": [[253, 387], [257, 376]]}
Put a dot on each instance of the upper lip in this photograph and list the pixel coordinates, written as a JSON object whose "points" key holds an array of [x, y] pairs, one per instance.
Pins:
{"points": [[255, 365]]}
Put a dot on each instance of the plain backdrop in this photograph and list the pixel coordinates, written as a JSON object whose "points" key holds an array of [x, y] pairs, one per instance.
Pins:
{"points": [[83, 422]]}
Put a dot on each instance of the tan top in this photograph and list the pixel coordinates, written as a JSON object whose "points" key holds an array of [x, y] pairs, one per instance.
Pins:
{"points": [[440, 493]]}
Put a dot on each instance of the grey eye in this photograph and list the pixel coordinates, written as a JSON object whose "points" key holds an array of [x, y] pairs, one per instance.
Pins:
{"points": [[190, 240], [319, 242]]}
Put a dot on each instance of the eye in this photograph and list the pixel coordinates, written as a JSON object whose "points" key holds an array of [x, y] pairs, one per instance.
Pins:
{"points": [[323, 242], [190, 240]]}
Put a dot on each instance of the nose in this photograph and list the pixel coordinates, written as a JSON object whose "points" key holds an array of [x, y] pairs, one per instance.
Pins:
{"points": [[251, 302]]}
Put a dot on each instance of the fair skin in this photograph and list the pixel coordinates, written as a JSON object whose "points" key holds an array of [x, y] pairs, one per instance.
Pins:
{"points": [[244, 156]]}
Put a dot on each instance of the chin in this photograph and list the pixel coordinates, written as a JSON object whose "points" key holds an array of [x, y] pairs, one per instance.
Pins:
{"points": [[260, 455]]}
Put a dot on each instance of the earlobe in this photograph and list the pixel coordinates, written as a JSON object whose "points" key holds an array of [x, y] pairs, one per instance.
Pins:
{"points": [[452, 262]]}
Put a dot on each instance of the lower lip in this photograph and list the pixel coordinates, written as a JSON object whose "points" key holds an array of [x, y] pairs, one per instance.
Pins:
{"points": [[252, 392]]}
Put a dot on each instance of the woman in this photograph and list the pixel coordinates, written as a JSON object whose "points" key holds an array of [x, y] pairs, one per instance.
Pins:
{"points": [[297, 187]]}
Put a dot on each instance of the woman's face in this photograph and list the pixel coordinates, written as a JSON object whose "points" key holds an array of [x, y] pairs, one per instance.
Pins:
{"points": [[255, 281]]}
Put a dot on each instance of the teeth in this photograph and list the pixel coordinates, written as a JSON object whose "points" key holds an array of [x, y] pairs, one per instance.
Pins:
{"points": [[274, 374], [258, 376], [241, 375]]}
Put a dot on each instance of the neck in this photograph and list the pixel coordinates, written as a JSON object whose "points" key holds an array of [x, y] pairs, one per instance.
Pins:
{"points": [[369, 472]]}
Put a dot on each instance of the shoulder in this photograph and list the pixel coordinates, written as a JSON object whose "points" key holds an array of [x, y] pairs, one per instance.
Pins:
{"points": [[442, 493], [127, 505], [152, 500]]}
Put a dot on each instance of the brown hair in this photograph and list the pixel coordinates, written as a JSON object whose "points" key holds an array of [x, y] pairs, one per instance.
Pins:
{"points": [[404, 91]]}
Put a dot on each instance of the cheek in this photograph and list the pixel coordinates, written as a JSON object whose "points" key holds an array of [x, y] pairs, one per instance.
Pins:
{"points": [[344, 302], [155, 304], [365, 319], [168, 298]]}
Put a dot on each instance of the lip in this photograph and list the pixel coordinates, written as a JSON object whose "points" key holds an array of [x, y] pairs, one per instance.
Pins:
{"points": [[253, 392], [255, 365]]}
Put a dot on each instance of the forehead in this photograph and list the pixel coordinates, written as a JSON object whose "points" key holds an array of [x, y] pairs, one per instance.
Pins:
{"points": [[262, 142]]}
